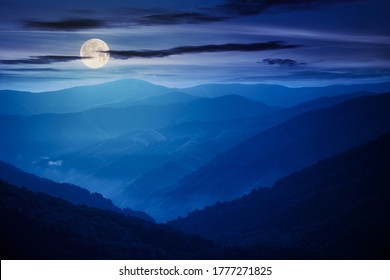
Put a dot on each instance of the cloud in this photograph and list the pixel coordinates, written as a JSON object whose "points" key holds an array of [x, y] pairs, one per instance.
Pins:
{"points": [[45, 59], [273, 45], [66, 25], [228, 10], [55, 163], [254, 7], [178, 18], [49, 59], [32, 70], [281, 62]]}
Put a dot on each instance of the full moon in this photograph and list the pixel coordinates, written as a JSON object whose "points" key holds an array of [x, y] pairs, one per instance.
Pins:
{"points": [[94, 53]]}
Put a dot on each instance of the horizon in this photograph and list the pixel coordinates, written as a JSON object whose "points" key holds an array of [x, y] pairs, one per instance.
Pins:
{"points": [[54, 89]]}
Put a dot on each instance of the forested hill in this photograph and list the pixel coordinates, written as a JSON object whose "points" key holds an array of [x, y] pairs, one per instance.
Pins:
{"points": [[339, 208]]}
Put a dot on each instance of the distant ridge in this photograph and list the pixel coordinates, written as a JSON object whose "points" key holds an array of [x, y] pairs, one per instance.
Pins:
{"points": [[77, 99], [166, 99], [276, 95], [82, 98]]}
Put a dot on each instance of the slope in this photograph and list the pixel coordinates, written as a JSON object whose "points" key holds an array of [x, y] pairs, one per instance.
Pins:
{"points": [[31, 138], [338, 207], [132, 167], [71, 193], [283, 149], [38, 226]]}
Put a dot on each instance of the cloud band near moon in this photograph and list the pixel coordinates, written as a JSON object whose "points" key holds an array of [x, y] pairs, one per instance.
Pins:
{"points": [[66, 25], [38, 60], [127, 54], [265, 46]]}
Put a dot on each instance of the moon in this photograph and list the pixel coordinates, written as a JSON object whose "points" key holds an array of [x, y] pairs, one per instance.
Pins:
{"points": [[94, 53]]}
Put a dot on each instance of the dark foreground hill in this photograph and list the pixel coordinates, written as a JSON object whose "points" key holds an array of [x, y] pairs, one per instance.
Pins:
{"points": [[338, 208], [38, 226], [72, 193]]}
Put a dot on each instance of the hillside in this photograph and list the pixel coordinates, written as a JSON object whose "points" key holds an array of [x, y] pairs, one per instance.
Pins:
{"points": [[31, 138], [285, 148], [71, 193], [38, 226], [132, 167], [337, 208]]}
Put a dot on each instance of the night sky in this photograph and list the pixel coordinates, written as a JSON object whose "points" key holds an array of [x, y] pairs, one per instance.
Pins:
{"points": [[190, 42]]}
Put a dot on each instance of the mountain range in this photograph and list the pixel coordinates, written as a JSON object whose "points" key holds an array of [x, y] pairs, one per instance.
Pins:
{"points": [[45, 135], [321, 212], [131, 91], [281, 96], [123, 149], [159, 147], [290, 146]]}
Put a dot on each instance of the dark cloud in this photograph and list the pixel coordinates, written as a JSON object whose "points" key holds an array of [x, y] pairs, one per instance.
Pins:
{"points": [[253, 7], [273, 45], [178, 18], [7, 75], [45, 59], [228, 10], [281, 62], [66, 25], [32, 70], [49, 59]]}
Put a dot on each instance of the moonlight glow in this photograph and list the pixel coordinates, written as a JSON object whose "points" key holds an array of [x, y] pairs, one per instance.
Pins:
{"points": [[94, 53]]}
